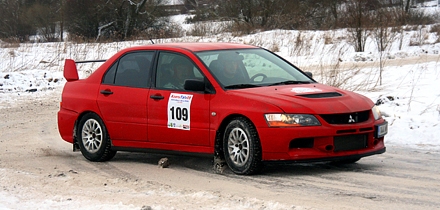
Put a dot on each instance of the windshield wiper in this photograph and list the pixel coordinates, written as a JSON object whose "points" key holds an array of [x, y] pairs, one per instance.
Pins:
{"points": [[239, 86], [290, 82]]}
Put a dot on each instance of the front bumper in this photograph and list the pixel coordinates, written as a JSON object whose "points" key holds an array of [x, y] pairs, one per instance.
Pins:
{"points": [[323, 143], [334, 158]]}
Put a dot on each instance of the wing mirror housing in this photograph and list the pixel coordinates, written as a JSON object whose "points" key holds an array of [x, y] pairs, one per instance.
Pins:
{"points": [[198, 85], [194, 85]]}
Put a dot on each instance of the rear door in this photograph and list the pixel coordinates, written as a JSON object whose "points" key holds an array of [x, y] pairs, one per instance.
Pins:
{"points": [[123, 95], [177, 116]]}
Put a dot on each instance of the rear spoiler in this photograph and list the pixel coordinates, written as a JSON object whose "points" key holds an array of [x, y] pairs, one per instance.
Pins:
{"points": [[70, 70]]}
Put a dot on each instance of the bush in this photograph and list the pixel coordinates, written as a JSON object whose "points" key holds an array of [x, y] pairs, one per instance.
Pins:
{"points": [[10, 43], [199, 29], [417, 17], [435, 29]]}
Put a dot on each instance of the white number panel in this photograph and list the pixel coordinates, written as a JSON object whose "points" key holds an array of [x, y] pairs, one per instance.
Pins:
{"points": [[179, 108]]}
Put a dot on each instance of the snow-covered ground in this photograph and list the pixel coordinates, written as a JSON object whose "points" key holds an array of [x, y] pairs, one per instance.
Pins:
{"points": [[409, 96], [409, 92]]}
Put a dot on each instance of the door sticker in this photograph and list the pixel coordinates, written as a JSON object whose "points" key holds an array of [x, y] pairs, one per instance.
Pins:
{"points": [[179, 111]]}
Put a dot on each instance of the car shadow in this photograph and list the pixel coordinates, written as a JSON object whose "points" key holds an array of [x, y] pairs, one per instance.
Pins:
{"points": [[176, 161], [205, 164], [300, 169]]}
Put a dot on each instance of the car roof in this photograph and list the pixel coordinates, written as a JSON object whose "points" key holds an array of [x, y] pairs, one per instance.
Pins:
{"points": [[194, 46]]}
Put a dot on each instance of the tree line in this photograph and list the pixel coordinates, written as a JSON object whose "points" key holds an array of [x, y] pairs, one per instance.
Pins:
{"points": [[100, 20]]}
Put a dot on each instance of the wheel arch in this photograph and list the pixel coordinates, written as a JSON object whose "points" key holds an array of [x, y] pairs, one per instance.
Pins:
{"points": [[218, 148], [75, 128]]}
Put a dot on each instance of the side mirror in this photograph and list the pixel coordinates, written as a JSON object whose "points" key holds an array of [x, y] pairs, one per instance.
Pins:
{"points": [[308, 73], [194, 85]]}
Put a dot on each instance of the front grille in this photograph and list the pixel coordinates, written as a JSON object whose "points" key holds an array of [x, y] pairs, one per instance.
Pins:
{"points": [[350, 142], [346, 118]]}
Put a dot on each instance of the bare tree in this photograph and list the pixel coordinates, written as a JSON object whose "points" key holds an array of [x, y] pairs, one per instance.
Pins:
{"points": [[13, 20], [408, 3], [359, 18], [385, 31], [115, 19], [83, 17], [61, 12], [125, 20], [45, 16]]}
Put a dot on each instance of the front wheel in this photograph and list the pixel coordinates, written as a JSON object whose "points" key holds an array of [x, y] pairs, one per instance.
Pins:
{"points": [[93, 139], [241, 147]]}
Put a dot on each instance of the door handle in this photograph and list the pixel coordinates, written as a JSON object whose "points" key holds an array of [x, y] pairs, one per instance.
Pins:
{"points": [[157, 97], [106, 92]]}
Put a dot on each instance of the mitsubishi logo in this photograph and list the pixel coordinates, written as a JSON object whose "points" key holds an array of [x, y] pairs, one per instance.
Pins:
{"points": [[351, 120]]}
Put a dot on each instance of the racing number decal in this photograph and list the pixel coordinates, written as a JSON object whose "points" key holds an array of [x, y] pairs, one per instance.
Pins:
{"points": [[179, 111]]}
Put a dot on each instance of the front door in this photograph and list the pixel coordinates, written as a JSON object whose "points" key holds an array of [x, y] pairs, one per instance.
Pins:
{"points": [[177, 116]]}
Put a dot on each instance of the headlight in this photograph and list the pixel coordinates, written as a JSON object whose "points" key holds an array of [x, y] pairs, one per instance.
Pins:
{"points": [[281, 120], [376, 112]]}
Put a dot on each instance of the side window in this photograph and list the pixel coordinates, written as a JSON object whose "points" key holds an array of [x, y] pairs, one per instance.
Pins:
{"points": [[173, 69], [109, 77], [228, 68], [132, 70]]}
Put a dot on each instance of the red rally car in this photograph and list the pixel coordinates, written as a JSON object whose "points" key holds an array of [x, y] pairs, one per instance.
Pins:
{"points": [[241, 104]]}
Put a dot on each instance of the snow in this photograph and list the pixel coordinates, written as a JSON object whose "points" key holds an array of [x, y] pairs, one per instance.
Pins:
{"points": [[409, 91], [172, 2], [33, 70], [409, 95]]}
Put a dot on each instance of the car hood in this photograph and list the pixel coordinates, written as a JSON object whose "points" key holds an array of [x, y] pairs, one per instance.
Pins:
{"points": [[308, 98]]}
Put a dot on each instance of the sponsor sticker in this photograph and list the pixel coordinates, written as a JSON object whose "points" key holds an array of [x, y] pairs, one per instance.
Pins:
{"points": [[179, 111], [305, 90]]}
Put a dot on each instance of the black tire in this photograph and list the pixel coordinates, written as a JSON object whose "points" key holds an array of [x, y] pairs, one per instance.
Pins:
{"points": [[93, 139], [241, 146]]}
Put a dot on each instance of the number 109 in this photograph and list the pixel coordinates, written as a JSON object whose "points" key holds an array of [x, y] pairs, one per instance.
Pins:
{"points": [[179, 113]]}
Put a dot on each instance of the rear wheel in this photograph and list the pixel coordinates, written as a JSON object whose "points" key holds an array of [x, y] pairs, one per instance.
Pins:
{"points": [[93, 139], [241, 147]]}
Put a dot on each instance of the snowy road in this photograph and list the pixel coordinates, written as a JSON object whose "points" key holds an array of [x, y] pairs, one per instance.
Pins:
{"points": [[38, 170]]}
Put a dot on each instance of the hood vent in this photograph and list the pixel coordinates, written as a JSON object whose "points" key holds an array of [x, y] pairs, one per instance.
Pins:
{"points": [[322, 95]]}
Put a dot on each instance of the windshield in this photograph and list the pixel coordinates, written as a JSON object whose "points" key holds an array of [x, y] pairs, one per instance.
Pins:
{"points": [[247, 68]]}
